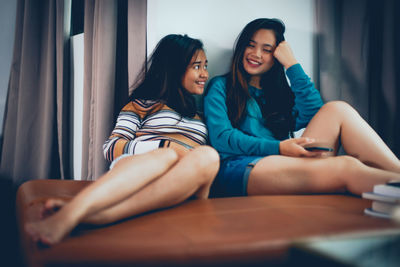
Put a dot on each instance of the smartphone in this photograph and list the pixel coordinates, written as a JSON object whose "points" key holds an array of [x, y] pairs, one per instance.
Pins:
{"points": [[319, 148]]}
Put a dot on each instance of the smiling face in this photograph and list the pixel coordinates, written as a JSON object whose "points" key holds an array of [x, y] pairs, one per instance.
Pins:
{"points": [[196, 74], [258, 56]]}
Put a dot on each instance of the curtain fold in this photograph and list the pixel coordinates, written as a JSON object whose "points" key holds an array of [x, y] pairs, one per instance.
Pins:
{"points": [[34, 119], [115, 34], [63, 93], [342, 44], [99, 71], [384, 70], [37, 120], [358, 60], [137, 38]]}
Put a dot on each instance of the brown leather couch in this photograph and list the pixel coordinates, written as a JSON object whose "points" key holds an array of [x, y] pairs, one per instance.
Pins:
{"points": [[246, 231]]}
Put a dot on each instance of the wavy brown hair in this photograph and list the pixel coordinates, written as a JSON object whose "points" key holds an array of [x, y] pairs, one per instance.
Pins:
{"points": [[279, 98], [161, 76]]}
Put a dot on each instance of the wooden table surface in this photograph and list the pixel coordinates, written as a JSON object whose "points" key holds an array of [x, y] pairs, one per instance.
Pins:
{"points": [[223, 231]]}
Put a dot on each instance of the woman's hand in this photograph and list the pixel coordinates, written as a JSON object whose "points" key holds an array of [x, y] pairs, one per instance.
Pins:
{"points": [[283, 53], [294, 147]]}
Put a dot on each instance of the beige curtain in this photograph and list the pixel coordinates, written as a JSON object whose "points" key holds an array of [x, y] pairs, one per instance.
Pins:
{"points": [[35, 144], [115, 48]]}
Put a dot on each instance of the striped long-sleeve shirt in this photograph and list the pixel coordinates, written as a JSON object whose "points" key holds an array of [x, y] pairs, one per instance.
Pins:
{"points": [[145, 125]]}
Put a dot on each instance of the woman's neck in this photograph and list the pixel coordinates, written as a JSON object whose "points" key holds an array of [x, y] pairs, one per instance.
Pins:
{"points": [[255, 81]]}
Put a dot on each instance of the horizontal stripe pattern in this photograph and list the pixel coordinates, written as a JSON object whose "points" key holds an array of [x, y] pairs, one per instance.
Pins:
{"points": [[148, 122]]}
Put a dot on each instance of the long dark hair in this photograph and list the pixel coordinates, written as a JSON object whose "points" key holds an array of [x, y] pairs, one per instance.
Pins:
{"points": [[161, 77], [279, 98]]}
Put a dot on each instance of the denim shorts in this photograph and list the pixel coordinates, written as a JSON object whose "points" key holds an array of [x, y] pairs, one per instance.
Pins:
{"points": [[233, 176]]}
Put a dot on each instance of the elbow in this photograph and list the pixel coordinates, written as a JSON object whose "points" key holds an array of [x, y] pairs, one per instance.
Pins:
{"points": [[108, 151]]}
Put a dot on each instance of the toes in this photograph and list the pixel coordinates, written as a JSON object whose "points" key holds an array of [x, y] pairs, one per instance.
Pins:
{"points": [[31, 231], [37, 237]]}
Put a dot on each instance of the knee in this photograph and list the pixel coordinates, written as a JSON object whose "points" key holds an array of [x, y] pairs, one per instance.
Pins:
{"points": [[207, 160], [339, 107], [347, 164], [206, 155]]}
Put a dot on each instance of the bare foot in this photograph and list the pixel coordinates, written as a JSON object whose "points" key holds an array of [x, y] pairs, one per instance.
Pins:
{"points": [[51, 206], [50, 230], [39, 233]]}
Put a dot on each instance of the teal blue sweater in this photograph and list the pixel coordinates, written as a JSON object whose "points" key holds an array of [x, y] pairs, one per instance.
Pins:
{"points": [[252, 137]]}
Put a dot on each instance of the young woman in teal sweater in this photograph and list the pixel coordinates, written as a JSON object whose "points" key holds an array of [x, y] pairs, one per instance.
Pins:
{"points": [[252, 112]]}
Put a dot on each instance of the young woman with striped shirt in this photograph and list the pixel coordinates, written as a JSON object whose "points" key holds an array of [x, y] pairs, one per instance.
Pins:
{"points": [[157, 148]]}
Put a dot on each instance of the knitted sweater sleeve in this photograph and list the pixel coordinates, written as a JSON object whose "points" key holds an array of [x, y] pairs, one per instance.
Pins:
{"points": [[226, 139], [307, 99]]}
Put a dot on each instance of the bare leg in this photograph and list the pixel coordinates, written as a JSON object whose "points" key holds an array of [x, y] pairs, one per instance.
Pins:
{"points": [[290, 175], [339, 120], [181, 181], [192, 175], [129, 175], [199, 168]]}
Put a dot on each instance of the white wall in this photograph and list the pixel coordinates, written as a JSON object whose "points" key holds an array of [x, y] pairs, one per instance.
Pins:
{"points": [[218, 23], [77, 70]]}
